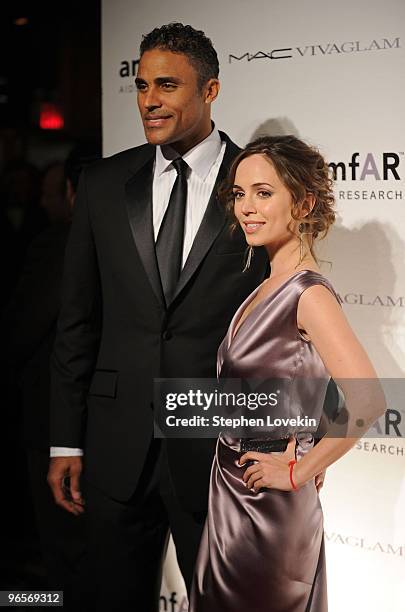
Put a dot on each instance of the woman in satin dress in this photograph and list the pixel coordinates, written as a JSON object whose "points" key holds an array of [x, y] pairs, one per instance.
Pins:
{"points": [[262, 549]]}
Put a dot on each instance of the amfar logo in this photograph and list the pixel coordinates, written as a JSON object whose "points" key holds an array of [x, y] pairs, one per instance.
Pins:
{"points": [[381, 448], [171, 604], [318, 49], [382, 166], [389, 424], [128, 68], [358, 542]]}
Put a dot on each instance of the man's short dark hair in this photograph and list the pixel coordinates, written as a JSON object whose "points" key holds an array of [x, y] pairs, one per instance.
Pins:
{"points": [[180, 38]]}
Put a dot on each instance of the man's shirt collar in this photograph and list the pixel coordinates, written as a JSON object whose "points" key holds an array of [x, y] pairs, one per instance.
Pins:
{"points": [[200, 158]]}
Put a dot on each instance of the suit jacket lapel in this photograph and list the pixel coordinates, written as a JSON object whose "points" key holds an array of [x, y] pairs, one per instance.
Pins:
{"points": [[138, 191], [213, 221]]}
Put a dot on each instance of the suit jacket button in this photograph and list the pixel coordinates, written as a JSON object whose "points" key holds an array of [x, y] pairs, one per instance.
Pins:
{"points": [[167, 334]]}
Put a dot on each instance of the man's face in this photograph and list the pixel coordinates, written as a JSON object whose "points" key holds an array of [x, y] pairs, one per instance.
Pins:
{"points": [[173, 109]]}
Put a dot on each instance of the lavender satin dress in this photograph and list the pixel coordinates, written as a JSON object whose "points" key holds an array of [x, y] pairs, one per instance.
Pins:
{"points": [[264, 552]]}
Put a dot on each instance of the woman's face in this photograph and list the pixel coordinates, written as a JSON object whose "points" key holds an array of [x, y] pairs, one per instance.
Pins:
{"points": [[262, 203]]}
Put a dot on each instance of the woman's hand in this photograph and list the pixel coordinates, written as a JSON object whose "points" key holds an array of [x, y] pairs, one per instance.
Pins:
{"points": [[319, 480], [269, 470]]}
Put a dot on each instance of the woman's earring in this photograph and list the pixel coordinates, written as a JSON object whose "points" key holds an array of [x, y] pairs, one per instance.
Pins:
{"points": [[301, 228], [250, 253], [301, 234]]}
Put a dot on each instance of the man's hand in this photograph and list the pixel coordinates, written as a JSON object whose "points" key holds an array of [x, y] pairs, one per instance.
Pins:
{"points": [[64, 480]]}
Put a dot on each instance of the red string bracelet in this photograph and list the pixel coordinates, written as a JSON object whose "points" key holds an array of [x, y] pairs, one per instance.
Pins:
{"points": [[291, 466]]}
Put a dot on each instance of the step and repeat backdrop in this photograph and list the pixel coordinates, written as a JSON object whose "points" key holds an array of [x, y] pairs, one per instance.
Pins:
{"points": [[333, 74]]}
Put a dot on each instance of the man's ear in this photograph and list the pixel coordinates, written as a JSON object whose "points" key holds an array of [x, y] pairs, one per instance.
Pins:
{"points": [[211, 90]]}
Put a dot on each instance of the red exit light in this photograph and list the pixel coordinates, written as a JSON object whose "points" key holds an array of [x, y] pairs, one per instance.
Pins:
{"points": [[50, 117]]}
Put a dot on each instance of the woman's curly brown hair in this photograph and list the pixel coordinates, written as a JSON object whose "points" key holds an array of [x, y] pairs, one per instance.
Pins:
{"points": [[303, 170]]}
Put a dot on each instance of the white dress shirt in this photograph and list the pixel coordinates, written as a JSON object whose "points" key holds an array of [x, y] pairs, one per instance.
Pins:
{"points": [[204, 161]]}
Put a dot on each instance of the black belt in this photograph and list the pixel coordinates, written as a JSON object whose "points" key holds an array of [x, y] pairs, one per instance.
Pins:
{"points": [[263, 446]]}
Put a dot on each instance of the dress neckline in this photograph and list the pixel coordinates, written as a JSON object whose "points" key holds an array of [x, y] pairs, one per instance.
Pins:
{"points": [[235, 328]]}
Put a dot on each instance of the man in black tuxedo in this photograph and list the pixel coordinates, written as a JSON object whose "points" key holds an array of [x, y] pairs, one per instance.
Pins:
{"points": [[152, 278]]}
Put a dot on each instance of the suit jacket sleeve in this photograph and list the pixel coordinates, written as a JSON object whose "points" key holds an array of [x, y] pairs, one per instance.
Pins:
{"points": [[78, 330]]}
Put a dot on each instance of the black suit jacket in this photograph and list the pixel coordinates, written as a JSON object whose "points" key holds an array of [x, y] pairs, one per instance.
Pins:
{"points": [[115, 334]]}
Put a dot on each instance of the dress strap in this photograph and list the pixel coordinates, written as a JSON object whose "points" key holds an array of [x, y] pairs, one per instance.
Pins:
{"points": [[311, 278]]}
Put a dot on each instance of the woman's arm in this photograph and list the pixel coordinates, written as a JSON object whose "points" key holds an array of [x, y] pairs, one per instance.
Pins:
{"points": [[326, 326]]}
